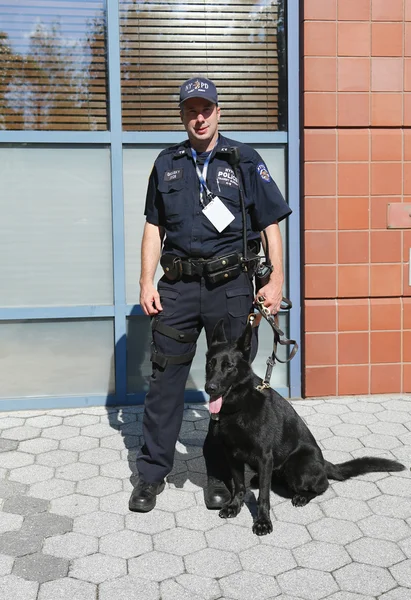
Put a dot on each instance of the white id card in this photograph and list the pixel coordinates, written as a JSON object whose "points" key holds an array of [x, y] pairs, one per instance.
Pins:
{"points": [[218, 214]]}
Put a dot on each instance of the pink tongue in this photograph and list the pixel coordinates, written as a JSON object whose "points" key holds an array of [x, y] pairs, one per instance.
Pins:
{"points": [[215, 405]]}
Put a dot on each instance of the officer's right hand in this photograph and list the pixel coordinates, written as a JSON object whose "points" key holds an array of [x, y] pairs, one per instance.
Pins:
{"points": [[150, 300]]}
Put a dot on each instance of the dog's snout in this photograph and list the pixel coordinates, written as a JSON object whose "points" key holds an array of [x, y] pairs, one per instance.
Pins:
{"points": [[211, 387]]}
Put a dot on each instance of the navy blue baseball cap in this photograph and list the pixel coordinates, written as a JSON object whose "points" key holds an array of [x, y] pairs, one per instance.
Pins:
{"points": [[198, 87]]}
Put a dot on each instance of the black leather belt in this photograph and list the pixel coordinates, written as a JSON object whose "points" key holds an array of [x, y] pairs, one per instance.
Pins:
{"points": [[193, 267]]}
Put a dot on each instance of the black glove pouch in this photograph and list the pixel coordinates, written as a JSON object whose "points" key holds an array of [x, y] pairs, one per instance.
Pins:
{"points": [[173, 269]]}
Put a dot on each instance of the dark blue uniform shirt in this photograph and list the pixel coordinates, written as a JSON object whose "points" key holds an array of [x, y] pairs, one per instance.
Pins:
{"points": [[173, 200]]}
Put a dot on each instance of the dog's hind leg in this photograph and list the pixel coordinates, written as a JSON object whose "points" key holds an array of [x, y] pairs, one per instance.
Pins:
{"points": [[262, 524], [233, 507]]}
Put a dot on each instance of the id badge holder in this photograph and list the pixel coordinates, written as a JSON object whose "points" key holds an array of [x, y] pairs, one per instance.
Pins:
{"points": [[218, 214]]}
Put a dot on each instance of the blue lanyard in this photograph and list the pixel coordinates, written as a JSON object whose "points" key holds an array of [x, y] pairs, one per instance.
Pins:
{"points": [[202, 176]]}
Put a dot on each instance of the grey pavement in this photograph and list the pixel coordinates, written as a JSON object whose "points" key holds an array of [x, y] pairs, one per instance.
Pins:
{"points": [[66, 531]]}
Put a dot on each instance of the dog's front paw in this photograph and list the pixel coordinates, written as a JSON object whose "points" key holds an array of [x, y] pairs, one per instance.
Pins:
{"points": [[299, 500], [262, 526], [229, 511]]}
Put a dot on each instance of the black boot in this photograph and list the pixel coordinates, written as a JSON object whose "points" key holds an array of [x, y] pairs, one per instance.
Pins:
{"points": [[216, 494], [143, 497]]}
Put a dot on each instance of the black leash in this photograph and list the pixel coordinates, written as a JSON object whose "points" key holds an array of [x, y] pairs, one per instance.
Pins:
{"points": [[279, 337]]}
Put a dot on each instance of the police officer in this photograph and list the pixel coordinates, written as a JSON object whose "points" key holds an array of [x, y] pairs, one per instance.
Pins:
{"points": [[194, 226]]}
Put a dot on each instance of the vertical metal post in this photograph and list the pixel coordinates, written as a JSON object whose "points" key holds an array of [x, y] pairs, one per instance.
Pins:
{"points": [[114, 86], [293, 70]]}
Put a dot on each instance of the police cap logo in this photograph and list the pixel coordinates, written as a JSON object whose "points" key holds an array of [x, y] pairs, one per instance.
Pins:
{"points": [[263, 172]]}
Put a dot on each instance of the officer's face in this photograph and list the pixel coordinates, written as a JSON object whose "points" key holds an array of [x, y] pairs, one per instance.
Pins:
{"points": [[200, 119]]}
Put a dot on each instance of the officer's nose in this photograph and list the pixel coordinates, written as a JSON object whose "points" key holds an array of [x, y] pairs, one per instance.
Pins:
{"points": [[200, 118]]}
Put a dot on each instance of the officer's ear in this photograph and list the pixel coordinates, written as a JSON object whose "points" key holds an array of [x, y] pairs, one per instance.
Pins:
{"points": [[218, 112]]}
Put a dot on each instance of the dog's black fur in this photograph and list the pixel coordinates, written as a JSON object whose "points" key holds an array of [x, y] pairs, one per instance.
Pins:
{"points": [[261, 429]]}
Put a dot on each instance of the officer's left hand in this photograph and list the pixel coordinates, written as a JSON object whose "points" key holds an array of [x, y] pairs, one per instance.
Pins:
{"points": [[273, 294]]}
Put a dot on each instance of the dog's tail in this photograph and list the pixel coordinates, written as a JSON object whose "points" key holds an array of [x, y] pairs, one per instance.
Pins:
{"points": [[360, 466]]}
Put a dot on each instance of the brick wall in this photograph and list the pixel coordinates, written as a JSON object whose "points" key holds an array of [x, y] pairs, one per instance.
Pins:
{"points": [[357, 160]]}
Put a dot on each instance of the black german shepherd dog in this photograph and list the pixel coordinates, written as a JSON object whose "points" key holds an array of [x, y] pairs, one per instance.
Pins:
{"points": [[262, 429]]}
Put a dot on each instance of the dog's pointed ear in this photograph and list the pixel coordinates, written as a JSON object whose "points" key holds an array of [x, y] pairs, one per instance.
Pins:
{"points": [[244, 341], [219, 333]]}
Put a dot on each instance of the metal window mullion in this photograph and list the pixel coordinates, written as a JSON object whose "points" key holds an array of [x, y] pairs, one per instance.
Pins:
{"points": [[114, 87], [294, 259]]}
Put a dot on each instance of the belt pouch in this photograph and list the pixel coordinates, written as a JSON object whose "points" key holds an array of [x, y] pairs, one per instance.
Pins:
{"points": [[224, 275], [215, 265], [173, 269]]}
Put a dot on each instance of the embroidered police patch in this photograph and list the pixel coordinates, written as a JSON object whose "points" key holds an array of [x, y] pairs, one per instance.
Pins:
{"points": [[172, 175], [226, 177], [263, 172]]}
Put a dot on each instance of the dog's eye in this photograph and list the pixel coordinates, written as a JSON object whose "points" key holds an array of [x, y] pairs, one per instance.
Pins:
{"points": [[228, 367]]}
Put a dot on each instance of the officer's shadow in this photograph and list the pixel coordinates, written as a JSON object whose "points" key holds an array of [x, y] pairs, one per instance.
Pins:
{"points": [[126, 416]]}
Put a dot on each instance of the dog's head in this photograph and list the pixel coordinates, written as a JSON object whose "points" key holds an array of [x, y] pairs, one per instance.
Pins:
{"points": [[226, 366]]}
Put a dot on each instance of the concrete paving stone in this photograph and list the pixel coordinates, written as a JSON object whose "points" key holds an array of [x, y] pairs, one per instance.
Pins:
{"points": [[246, 585], [16, 587], [116, 503], [399, 593], [378, 452], [116, 442], [99, 456], [23, 432], [405, 546], [391, 416], [44, 421], [6, 564], [286, 535], [398, 405], [79, 443], [192, 439], [346, 508], [336, 456], [51, 489], [205, 587], [97, 410], [46, 524], [81, 420], [8, 445], [99, 486], [402, 453], [74, 505], [349, 596], [366, 407], [152, 522], [337, 531], [63, 589], [321, 556], [386, 528], [378, 440], [322, 420], [350, 430], [174, 500], [359, 418], [212, 563], [97, 568], [292, 514], [70, 545], [77, 471], [129, 588], [267, 560], [98, 430], [405, 437], [19, 543], [307, 583], [10, 522], [380, 553], [9, 422], [56, 458], [40, 567], [38, 445], [229, 536], [332, 408], [98, 523], [179, 541], [202, 425], [118, 469], [126, 544], [402, 573], [196, 414], [179, 466], [196, 465], [396, 486], [65, 412], [14, 459], [188, 426], [187, 481], [320, 433], [133, 429], [171, 590], [31, 474], [339, 442], [303, 410], [60, 432], [356, 489], [156, 566], [396, 429], [364, 579], [199, 518]]}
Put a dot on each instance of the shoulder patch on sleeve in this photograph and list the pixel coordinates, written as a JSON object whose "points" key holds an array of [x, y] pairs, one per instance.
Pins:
{"points": [[263, 172]]}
